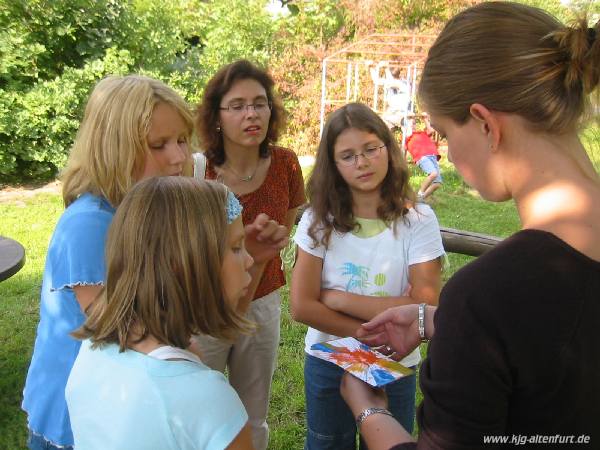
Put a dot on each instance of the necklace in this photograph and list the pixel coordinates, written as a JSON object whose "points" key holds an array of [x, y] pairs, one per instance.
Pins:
{"points": [[246, 178]]}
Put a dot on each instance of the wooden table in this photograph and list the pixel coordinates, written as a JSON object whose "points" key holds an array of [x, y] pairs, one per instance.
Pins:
{"points": [[12, 257]]}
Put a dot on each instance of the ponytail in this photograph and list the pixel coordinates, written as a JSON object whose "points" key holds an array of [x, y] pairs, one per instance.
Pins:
{"points": [[517, 59]]}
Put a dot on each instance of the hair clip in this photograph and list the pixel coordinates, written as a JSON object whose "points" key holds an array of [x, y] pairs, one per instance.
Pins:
{"points": [[234, 208]]}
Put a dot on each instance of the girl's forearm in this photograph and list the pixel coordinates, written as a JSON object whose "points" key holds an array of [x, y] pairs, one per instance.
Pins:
{"points": [[316, 315], [363, 307]]}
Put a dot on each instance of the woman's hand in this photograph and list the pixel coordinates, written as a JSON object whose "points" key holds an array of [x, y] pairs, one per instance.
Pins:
{"points": [[265, 238], [360, 396], [396, 327], [379, 431]]}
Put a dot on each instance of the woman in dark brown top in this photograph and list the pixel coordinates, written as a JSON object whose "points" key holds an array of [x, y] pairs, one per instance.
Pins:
{"points": [[514, 357]]}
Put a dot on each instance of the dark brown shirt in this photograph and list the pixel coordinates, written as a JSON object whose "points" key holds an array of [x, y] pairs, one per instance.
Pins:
{"points": [[516, 350]]}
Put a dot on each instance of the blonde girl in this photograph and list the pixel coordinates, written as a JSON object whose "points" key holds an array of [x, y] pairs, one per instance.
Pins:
{"points": [[133, 127], [363, 247], [514, 354], [176, 266]]}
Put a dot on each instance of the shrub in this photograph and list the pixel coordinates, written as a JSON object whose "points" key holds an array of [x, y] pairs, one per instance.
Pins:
{"points": [[53, 52], [37, 127]]}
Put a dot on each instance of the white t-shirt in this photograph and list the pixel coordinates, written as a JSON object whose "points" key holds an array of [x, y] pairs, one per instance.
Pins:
{"points": [[375, 266]]}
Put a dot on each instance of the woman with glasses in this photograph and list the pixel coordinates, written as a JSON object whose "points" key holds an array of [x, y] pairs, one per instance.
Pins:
{"points": [[364, 246], [239, 121]]}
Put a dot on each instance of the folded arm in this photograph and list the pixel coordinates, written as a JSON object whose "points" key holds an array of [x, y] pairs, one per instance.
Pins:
{"points": [[305, 295], [425, 282]]}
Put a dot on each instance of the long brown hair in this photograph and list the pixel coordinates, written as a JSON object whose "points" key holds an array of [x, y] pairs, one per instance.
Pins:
{"points": [[165, 248], [513, 58], [331, 198], [208, 112], [111, 148]]}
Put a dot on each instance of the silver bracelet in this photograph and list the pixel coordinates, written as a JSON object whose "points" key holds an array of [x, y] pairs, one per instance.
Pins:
{"points": [[422, 334], [369, 411]]}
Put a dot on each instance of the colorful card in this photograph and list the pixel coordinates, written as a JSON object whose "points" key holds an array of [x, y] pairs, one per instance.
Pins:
{"points": [[361, 361]]}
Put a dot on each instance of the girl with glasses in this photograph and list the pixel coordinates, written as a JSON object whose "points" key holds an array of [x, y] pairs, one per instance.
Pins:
{"points": [[239, 122], [364, 246]]}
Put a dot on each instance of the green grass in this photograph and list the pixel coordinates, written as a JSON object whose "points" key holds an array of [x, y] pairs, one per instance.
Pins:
{"points": [[31, 221], [286, 413], [591, 140]]}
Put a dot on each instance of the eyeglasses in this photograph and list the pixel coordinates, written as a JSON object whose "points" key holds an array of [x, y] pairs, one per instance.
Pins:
{"points": [[260, 106], [351, 159]]}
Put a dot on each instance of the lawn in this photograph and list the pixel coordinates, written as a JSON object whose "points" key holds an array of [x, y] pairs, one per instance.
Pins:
{"points": [[30, 220]]}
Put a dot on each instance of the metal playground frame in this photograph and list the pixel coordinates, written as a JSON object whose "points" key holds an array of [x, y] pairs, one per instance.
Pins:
{"points": [[361, 71]]}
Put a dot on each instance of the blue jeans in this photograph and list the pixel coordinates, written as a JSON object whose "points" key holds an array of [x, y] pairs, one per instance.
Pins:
{"points": [[428, 164], [38, 442], [330, 423]]}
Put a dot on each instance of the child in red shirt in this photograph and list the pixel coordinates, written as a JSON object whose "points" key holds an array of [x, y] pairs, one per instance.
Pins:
{"points": [[424, 152]]}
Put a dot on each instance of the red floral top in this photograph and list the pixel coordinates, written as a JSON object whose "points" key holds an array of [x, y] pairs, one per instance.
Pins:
{"points": [[282, 190]]}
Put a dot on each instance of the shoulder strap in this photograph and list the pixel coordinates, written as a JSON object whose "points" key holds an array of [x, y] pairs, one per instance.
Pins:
{"points": [[199, 166], [167, 352]]}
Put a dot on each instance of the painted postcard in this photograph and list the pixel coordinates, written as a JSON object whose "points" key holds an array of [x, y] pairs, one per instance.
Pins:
{"points": [[361, 361]]}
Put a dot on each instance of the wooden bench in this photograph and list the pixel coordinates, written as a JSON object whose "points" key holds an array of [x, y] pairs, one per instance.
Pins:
{"points": [[456, 241], [467, 242]]}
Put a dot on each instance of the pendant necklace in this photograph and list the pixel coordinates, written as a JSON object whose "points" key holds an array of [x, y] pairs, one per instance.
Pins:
{"points": [[246, 178]]}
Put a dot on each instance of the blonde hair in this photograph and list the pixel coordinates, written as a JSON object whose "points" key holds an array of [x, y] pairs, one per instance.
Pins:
{"points": [[165, 248], [110, 148], [513, 58]]}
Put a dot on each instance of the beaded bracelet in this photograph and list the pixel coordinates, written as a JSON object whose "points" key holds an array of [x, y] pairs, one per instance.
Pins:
{"points": [[422, 334], [369, 411]]}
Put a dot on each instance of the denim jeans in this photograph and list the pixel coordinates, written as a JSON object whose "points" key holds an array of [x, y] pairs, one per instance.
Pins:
{"points": [[38, 442], [330, 423]]}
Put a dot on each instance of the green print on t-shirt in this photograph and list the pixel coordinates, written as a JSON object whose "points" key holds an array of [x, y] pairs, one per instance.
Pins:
{"points": [[358, 280], [359, 277]]}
